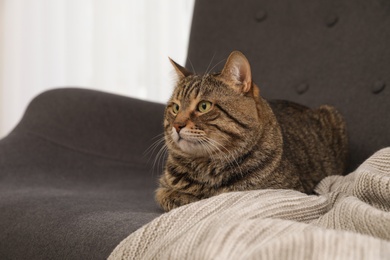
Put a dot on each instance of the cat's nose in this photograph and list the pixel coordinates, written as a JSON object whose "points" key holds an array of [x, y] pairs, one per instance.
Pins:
{"points": [[178, 126]]}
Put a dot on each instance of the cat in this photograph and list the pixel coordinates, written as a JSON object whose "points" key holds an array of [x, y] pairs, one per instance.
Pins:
{"points": [[223, 136]]}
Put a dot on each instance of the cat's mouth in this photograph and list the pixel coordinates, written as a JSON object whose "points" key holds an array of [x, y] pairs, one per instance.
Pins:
{"points": [[183, 138], [191, 142], [189, 146]]}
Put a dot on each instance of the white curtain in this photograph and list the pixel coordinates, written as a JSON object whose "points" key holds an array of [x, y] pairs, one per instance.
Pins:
{"points": [[117, 46]]}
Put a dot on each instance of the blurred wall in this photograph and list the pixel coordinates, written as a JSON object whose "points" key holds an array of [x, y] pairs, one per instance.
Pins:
{"points": [[117, 46]]}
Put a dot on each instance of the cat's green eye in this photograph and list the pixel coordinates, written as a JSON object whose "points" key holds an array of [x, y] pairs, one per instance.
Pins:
{"points": [[175, 108], [204, 106]]}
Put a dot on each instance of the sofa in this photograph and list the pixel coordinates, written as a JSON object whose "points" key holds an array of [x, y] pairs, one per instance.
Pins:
{"points": [[77, 177]]}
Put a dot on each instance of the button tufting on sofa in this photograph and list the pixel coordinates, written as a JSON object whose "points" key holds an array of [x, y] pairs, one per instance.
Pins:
{"points": [[331, 20], [261, 15], [378, 87], [302, 88]]}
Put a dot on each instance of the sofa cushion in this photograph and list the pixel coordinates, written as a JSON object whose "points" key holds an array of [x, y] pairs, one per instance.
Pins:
{"points": [[311, 52], [74, 179]]}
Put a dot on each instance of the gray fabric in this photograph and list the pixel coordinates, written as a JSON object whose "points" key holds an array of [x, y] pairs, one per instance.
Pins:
{"points": [[337, 50], [350, 219], [73, 177]]}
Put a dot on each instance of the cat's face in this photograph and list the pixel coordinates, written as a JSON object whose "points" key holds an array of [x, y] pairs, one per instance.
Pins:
{"points": [[211, 115]]}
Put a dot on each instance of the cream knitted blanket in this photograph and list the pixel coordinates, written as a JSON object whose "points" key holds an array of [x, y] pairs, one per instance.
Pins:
{"points": [[349, 219]]}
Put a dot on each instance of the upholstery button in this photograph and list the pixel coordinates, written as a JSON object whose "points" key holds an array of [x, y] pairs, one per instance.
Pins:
{"points": [[331, 20], [378, 87], [261, 15], [301, 88]]}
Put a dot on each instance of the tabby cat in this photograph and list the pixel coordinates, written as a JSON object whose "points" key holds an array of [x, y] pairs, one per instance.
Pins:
{"points": [[223, 136]]}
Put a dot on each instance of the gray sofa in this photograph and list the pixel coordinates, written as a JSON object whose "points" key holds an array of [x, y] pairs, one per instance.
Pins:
{"points": [[74, 179]]}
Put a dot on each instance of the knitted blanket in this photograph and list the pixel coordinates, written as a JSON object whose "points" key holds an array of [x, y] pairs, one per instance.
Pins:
{"points": [[348, 219]]}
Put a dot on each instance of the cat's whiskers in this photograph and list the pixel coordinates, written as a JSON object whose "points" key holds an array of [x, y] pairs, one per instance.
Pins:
{"points": [[223, 157], [158, 159], [154, 145], [233, 156], [152, 150], [210, 148], [233, 153], [192, 66], [206, 147], [207, 70], [216, 65], [230, 159], [232, 163]]}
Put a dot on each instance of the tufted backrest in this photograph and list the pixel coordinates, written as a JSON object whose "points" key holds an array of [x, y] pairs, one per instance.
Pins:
{"points": [[308, 51]]}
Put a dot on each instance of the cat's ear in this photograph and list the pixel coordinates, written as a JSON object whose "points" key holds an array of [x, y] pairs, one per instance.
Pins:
{"points": [[181, 72], [237, 72]]}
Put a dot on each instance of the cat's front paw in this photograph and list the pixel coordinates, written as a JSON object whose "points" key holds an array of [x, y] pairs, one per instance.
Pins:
{"points": [[170, 199]]}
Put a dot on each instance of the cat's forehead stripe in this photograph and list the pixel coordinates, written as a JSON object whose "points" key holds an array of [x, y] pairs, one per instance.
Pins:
{"points": [[187, 89]]}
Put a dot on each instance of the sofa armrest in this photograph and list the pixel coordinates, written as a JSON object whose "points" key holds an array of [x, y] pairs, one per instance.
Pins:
{"points": [[74, 181], [104, 124]]}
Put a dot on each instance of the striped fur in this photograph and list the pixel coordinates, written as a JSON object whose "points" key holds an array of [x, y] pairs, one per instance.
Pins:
{"points": [[243, 142]]}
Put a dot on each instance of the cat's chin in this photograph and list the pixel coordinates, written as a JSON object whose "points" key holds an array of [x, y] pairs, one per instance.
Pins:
{"points": [[190, 146]]}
